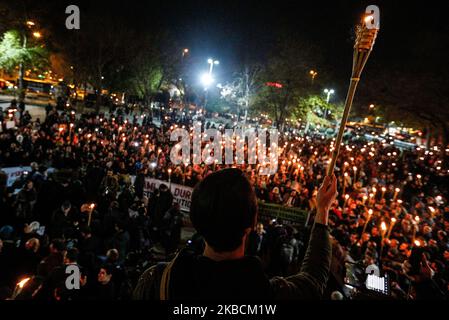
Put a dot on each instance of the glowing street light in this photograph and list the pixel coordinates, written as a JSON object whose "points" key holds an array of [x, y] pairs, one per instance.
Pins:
{"points": [[184, 52], [37, 34], [207, 80], [30, 23], [329, 92], [313, 74], [212, 62]]}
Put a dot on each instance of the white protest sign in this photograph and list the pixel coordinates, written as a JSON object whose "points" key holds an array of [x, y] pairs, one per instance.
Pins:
{"points": [[181, 194]]}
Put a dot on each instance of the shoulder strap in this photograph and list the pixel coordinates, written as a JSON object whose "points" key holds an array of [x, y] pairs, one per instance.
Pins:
{"points": [[165, 280]]}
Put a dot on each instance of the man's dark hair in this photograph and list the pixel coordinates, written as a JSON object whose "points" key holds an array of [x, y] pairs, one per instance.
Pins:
{"points": [[72, 255], [66, 205], [223, 205], [108, 268], [58, 244]]}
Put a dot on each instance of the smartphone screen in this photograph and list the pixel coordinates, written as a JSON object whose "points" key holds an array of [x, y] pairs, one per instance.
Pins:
{"points": [[378, 284]]}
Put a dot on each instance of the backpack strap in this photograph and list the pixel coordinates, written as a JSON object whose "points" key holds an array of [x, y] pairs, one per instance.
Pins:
{"points": [[165, 280]]}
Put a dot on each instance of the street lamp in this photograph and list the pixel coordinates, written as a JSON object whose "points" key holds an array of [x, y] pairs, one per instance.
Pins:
{"points": [[313, 73], [212, 62], [207, 80], [37, 34], [184, 52], [329, 92], [30, 23]]}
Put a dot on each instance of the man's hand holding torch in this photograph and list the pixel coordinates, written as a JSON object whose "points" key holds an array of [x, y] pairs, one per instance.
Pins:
{"points": [[326, 196]]}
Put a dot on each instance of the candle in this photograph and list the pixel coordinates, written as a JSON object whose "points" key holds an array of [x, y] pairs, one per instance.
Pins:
{"points": [[364, 199], [383, 191], [396, 191], [169, 177], [383, 227], [22, 283], [91, 208], [393, 221], [346, 200], [371, 198], [370, 213], [355, 174], [344, 182]]}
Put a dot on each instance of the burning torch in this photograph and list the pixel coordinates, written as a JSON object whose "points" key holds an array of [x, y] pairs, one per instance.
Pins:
{"points": [[365, 36]]}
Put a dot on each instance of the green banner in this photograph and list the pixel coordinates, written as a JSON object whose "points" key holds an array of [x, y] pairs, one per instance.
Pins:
{"points": [[285, 214]]}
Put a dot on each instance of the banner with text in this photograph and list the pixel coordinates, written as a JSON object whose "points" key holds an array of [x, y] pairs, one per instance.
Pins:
{"points": [[14, 173], [181, 194]]}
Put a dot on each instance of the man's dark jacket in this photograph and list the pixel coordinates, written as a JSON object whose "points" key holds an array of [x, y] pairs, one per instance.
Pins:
{"points": [[196, 277]]}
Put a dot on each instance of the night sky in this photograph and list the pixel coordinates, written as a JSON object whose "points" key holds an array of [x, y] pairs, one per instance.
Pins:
{"points": [[414, 35]]}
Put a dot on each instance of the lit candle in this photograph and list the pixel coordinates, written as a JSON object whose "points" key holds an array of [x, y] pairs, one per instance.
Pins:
{"points": [[396, 191], [383, 191], [383, 227], [344, 182], [393, 221], [346, 200], [355, 174], [370, 213], [91, 208], [22, 283]]}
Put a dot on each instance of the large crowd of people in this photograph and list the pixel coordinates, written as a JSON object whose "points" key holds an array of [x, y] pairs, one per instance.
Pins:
{"points": [[84, 202]]}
